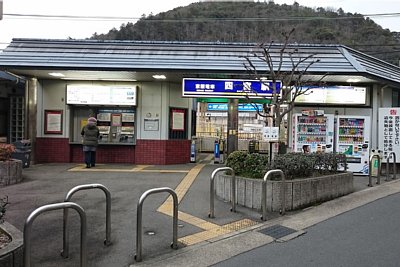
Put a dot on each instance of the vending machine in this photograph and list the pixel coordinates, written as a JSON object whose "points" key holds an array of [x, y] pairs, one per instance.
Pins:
{"points": [[313, 133], [353, 140]]}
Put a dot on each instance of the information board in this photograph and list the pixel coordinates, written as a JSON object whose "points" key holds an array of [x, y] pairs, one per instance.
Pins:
{"points": [[101, 95], [344, 95], [389, 132], [228, 88]]}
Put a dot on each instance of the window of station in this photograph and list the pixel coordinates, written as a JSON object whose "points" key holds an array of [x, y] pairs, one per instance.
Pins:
{"points": [[116, 125], [114, 107]]}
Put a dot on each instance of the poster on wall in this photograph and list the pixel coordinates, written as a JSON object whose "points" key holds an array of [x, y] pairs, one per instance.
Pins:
{"points": [[151, 124], [128, 117], [53, 121], [389, 132], [116, 120], [178, 120], [104, 117]]}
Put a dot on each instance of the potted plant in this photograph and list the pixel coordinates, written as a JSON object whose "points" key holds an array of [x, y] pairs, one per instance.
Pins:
{"points": [[10, 169], [6, 151]]}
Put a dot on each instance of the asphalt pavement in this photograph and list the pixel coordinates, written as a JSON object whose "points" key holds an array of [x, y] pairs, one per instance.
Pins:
{"points": [[202, 241], [365, 236]]}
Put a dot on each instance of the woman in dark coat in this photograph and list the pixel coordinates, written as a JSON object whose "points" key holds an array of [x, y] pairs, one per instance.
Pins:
{"points": [[90, 134]]}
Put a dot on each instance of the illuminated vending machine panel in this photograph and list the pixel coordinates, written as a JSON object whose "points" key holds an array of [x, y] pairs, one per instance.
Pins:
{"points": [[352, 139], [313, 132]]}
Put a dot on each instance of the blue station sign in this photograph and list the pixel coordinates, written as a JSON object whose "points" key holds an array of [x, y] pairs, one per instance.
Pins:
{"points": [[241, 107], [228, 88]]}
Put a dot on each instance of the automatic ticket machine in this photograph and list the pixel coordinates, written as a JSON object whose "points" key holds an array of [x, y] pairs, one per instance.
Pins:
{"points": [[104, 134], [127, 134]]}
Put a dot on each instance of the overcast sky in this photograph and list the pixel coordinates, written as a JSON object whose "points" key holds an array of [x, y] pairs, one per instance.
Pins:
{"points": [[22, 27]]}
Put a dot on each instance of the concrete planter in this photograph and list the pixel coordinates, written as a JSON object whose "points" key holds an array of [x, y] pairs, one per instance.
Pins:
{"points": [[300, 193], [12, 255], [10, 172]]}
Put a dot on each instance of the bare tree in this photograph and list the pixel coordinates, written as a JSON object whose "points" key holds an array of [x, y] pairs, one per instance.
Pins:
{"points": [[285, 75]]}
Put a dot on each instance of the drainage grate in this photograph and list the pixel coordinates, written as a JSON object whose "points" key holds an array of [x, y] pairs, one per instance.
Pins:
{"points": [[277, 231]]}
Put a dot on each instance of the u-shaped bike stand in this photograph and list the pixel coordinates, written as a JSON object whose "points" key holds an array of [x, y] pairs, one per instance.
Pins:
{"points": [[56, 206], [264, 193], [233, 189], [107, 241], [394, 166], [139, 219]]}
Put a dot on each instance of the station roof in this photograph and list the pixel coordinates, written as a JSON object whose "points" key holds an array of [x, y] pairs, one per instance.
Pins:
{"points": [[139, 60]]}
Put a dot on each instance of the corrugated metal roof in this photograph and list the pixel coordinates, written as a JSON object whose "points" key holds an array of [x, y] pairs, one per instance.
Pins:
{"points": [[184, 56]]}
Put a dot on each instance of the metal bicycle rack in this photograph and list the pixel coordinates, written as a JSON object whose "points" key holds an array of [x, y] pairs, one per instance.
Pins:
{"points": [[264, 193], [233, 190], [139, 218], [370, 170], [394, 166], [56, 206], [107, 241]]}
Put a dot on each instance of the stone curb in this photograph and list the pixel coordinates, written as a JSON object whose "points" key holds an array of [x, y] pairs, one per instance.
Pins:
{"points": [[12, 254]]}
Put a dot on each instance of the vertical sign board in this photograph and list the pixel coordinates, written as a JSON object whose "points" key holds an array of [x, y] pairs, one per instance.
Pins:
{"points": [[389, 132]]}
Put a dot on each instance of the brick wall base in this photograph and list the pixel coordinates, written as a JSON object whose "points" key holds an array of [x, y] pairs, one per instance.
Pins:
{"points": [[155, 152], [162, 152]]}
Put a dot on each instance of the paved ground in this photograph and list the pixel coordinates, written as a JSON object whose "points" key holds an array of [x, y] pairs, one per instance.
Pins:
{"points": [[203, 241]]}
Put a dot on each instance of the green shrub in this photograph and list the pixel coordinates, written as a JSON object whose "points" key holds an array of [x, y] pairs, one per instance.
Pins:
{"points": [[294, 165], [326, 163], [247, 165], [255, 165], [299, 165], [236, 160]]}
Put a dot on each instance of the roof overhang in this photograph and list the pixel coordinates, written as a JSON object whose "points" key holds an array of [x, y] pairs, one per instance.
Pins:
{"points": [[139, 61]]}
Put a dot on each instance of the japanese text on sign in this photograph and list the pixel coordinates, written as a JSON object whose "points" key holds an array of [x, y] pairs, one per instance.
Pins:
{"points": [[229, 88], [389, 134]]}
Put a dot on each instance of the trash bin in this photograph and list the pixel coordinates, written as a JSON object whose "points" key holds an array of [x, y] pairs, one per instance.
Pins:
{"points": [[22, 152], [254, 146]]}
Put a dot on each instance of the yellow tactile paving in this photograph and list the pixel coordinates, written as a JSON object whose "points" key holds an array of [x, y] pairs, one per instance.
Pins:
{"points": [[211, 230], [185, 184], [216, 231]]}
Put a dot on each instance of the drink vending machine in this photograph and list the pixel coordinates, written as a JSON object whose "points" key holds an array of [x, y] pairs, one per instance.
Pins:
{"points": [[353, 140], [314, 132]]}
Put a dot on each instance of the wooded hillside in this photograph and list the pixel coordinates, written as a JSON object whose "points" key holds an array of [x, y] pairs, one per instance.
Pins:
{"points": [[261, 22]]}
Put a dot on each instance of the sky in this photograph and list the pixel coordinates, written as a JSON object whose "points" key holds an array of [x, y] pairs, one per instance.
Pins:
{"points": [[14, 26]]}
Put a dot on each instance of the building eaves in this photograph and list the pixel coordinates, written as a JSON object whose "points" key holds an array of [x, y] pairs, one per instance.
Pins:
{"points": [[185, 56]]}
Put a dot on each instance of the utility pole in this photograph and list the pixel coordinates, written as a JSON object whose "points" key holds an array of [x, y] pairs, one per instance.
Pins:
{"points": [[1, 9], [233, 118]]}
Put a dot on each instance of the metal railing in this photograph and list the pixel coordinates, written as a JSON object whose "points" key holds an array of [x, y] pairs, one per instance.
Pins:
{"points": [[370, 170], [56, 206], [394, 166], [139, 218], [107, 241], [233, 189], [264, 193]]}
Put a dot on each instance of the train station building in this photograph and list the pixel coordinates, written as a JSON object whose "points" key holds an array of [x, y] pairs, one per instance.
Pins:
{"points": [[134, 88]]}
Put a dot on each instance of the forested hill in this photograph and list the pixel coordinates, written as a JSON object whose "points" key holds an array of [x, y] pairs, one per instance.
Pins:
{"points": [[261, 22]]}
